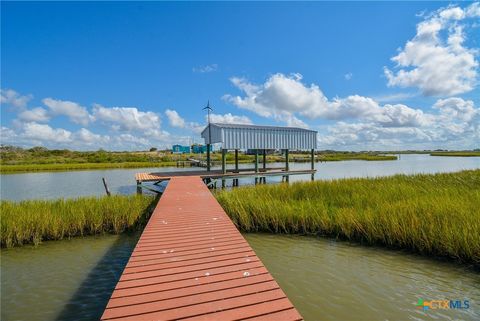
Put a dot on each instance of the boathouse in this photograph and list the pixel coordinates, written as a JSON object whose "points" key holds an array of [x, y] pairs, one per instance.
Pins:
{"points": [[259, 139]]}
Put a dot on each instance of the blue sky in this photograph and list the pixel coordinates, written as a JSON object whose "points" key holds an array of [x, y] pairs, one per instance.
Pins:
{"points": [[366, 75]]}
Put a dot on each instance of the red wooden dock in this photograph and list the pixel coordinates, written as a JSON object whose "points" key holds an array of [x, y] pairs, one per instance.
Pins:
{"points": [[191, 263]]}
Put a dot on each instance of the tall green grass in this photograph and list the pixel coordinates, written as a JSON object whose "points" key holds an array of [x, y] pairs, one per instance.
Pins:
{"points": [[430, 214], [34, 221], [457, 154], [5, 169]]}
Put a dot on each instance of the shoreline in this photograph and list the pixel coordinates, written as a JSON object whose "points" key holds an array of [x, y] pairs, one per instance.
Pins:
{"points": [[37, 168]]}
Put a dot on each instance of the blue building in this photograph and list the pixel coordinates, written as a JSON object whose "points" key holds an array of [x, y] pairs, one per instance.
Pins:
{"points": [[179, 149], [200, 149]]}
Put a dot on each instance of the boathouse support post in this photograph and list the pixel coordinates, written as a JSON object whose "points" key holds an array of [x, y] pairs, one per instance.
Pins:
{"points": [[208, 157], [235, 180], [256, 166], [264, 179], [287, 165], [224, 165], [312, 154]]}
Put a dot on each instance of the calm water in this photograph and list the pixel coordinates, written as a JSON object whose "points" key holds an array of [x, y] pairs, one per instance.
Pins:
{"points": [[326, 280], [62, 280], [121, 181]]}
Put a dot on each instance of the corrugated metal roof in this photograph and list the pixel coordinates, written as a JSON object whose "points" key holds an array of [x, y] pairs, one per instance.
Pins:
{"points": [[257, 127], [240, 136]]}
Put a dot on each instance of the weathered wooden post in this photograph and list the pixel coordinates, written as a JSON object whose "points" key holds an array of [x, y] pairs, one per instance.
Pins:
{"points": [[106, 187], [139, 187], [313, 162]]}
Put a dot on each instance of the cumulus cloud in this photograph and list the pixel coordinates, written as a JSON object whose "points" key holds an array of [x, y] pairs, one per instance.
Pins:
{"points": [[230, 119], [206, 68], [436, 60], [282, 97], [457, 108], [75, 112], [126, 118], [43, 132], [174, 118], [358, 121], [455, 125], [14, 99], [89, 138], [38, 114]]}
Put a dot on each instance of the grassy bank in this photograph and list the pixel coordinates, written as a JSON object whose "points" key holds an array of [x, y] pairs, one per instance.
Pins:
{"points": [[355, 156], [457, 154], [77, 166], [430, 214], [35, 221]]}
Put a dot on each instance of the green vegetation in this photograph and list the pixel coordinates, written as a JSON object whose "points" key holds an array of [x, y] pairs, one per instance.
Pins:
{"points": [[15, 159], [36, 220], [328, 157], [79, 166], [457, 154], [430, 214]]}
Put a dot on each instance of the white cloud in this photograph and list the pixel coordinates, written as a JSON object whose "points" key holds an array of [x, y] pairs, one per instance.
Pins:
{"points": [[89, 138], [456, 125], [438, 65], [174, 118], [38, 114], [457, 108], [14, 99], [206, 68], [282, 97], [348, 76], [75, 112], [279, 97], [126, 118], [363, 123], [229, 119], [43, 132]]}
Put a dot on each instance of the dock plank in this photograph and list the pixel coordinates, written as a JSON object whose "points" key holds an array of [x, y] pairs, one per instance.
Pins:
{"points": [[192, 263]]}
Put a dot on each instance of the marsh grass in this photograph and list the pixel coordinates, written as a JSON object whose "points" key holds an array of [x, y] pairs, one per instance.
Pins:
{"points": [[34, 221], [5, 169], [430, 214]]}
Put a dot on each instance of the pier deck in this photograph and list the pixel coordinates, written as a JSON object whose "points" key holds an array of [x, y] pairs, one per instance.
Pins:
{"points": [[218, 174], [191, 263]]}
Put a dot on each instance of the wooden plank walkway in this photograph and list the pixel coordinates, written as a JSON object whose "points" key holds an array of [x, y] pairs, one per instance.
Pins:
{"points": [[150, 177], [191, 263]]}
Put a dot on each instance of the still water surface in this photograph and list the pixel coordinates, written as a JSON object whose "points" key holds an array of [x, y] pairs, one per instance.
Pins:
{"points": [[121, 181], [326, 280]]}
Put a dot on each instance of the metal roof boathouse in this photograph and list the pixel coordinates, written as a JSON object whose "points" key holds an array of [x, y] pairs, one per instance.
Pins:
{"points": [[236, 136], [260, 139]]}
